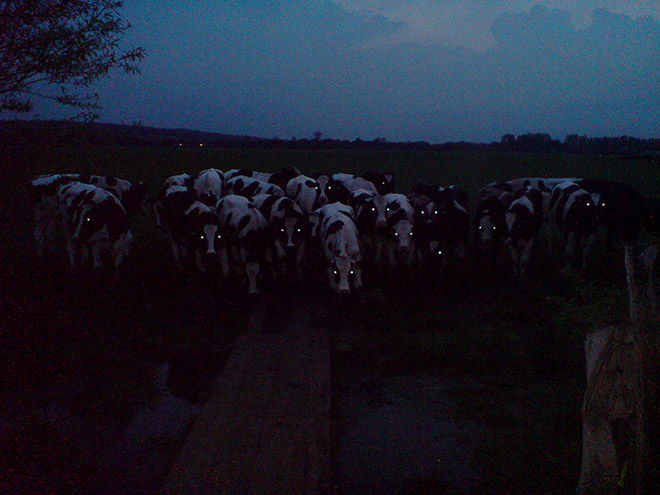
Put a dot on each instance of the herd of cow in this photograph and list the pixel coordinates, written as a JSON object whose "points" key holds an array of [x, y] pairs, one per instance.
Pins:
{"points": [[238, 221]]}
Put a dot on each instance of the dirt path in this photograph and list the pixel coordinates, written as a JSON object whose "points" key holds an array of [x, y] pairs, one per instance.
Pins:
{"points": [[266, 427]]}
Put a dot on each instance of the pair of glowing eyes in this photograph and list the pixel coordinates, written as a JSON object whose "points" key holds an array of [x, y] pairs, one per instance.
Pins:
{"points": [[202, 236], [297, 230], [337, 273], [435, 212], [396, 234], [481, 227]]}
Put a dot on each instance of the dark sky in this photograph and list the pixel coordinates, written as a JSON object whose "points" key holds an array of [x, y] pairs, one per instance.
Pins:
{"points": [[432, 70]]}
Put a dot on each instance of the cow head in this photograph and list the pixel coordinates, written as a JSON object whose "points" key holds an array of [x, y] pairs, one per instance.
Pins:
{"points": [[402, 234], [384, 181], [488, 229], [343, 273]]}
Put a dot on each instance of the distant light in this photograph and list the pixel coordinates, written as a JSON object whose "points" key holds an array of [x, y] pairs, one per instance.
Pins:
{"points": [[201, 144], [180, 144]]}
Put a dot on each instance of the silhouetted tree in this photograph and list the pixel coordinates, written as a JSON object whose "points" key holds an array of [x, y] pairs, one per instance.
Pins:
{"points": [[56, 49]]}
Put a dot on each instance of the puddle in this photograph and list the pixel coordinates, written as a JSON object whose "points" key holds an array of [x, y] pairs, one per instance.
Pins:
{"points": [[382, 447]]}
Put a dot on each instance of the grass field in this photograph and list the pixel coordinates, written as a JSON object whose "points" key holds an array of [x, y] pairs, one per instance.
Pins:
{"points": [[79, 352]]}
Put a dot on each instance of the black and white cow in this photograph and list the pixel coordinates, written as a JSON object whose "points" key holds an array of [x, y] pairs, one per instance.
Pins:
{"points": [[446, 224], [209, 186], [371, 220], [544, 185], [341, 248], [185, 236], [133, 195], [43, 192], [575, 212], [45, 202], [307, 192], [384, 181], [333, 189], [248, 236], [523, 219], [400, 216], [490, 227], [181, 180], [280, 178], [352, 182], [620, 208], [288, 229], [249, 187], [201, 235], [94, 221]]}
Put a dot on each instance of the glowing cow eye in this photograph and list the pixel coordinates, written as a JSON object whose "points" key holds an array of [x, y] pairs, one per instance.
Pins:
{"points": [[352, 272], [435, 212], [410, 233], [219, 236], [494, 227], [298, 230], [201, 236], [481, 227], [281, 230], [335, 272], [88, 219], [373, 209], [396, 234], [439, 252], [588, 203]]}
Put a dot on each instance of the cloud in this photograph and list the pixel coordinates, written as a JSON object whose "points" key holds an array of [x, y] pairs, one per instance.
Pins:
{"points": [[288, 69]]}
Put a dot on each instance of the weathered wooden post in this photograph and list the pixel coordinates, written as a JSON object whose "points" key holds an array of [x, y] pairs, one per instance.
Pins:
{"points": [[613, 420], [614, 410]]}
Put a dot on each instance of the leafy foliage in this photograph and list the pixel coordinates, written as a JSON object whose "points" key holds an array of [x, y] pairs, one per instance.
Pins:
{"points": [[68, 44]]}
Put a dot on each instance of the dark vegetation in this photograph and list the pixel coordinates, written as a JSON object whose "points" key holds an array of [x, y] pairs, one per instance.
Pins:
{"points": [[61, 133], [79, 351]]}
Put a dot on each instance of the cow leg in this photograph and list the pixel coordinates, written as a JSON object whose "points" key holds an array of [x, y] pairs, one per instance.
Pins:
{"points": [[570, 247], [391, 258], [514, 258], [70, 247], [224, 261], [177, 255], [40, 228], [96, 257], [524, 258], [587, 245], [198, 261], [300, 252], [357, 283]]}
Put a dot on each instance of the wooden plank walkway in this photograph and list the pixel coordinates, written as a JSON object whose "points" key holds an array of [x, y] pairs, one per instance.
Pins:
{"points": [[266, 427]]}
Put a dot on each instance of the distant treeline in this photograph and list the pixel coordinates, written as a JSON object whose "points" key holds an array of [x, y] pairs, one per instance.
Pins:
{"points": [[60, 133]]}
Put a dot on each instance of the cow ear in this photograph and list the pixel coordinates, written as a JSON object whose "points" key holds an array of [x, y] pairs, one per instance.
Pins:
{"points": [[334, 227]]}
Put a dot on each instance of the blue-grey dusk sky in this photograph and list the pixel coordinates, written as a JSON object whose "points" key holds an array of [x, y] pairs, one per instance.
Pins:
{"points": [[405, 70]]}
